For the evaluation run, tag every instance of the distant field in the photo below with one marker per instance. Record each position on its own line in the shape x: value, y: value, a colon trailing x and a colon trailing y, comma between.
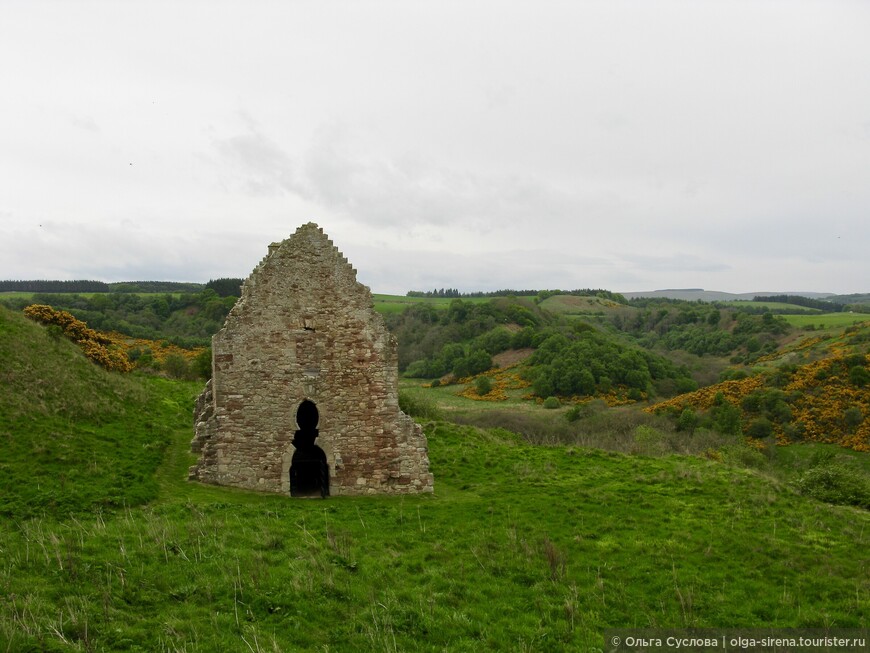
x: 575, y: 305
x: 383, y: 303
x: 398, y: 303
x: 781, y: 306
x: 826, y: 320
x: 29, y: 295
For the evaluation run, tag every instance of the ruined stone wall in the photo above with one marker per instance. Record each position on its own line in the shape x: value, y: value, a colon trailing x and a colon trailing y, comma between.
x: 304, y: 328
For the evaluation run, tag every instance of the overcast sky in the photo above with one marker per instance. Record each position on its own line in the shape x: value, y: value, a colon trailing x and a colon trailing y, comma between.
x: 475, y: 145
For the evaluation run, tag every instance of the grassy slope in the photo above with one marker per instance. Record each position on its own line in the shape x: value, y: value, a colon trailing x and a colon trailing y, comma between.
x: 817, y: 388
x: 826, y: 320
x: 73, y: 437
x: 397, y: 303
x: 794, y: 308
x: 574, y: 305
x: 521, y: 548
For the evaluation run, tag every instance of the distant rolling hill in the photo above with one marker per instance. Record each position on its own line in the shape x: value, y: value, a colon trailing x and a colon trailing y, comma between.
x: 693, y: 294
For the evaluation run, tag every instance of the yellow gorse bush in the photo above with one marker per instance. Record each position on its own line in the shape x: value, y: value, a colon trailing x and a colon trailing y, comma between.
x: 703, y: 399
x: 503, y: 379
x: 508, y: 378
x: 99, y: 347
x: 819, y: 395
x: 806, y: 343
x: 160, y: 349
x: 824, y: 395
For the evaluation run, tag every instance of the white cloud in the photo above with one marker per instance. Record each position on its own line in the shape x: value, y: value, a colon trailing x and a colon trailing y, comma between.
x: 475, y: 145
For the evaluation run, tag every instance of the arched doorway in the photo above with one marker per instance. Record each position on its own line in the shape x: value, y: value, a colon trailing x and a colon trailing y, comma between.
x: 309, y: 471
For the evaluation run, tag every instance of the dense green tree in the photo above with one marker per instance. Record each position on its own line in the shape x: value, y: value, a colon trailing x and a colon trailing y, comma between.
x: 201, y: 365
x: 226, y: 287
x: 177, y: 367
x: 576, y: 365
x: 552, y: 402
x: 687, y: 421
x: 726, y: 418
x: 483, y: 385
x: 187, y: 319
x: 853, y: 417
x: 497, y: 340
x: 760, y: 428
x: 859, y: 376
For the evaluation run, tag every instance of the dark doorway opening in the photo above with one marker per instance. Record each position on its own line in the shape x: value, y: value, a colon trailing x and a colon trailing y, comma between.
x: 309, y: 471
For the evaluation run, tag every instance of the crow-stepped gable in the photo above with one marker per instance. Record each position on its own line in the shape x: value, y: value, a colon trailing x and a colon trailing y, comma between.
x: 303, y: 398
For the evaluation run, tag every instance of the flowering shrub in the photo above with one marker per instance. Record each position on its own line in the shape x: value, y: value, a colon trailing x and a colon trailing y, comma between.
x: 755, y: 443
x: 802, y: 345
x: 825, y: 395
x: 99, y: 347
x: 501, y: 380
x: 621, y: 396
x: 158, y: 350
x: 73, y: 328
x: 704, y: 398
x: 823, y: 401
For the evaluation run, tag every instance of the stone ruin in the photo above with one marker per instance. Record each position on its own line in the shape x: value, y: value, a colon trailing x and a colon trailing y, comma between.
x: 303, y: 398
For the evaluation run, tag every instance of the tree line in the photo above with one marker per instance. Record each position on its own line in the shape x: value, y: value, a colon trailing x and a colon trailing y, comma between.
x: 54, y: 286
x: 226, y: 286
x: 90, y: 286
x: 185, y: 319
x: 427, y: 335
x: 539, y: 295
x: 798, y: 300
x: 571, y: 358
x: 702, y: 329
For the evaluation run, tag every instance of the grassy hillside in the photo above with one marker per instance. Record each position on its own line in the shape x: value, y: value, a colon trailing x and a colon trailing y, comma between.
x: 773, y: 306
x: 574, y: 305
x: 522, y: 547
x: 73, y: 437
x: 699, y: 294
x: 185, y: 318
x: 825, y: 320
x: 815, y: 389
x: 390, y: 304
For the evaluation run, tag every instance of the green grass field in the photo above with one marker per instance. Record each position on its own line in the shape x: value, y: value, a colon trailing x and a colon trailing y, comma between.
x: 827, y: 320
x: 574, y: 305
x: 383, y: 303
x: 521, y: 548
x: 397, y: 303
x: 794, y: 308
x: 16, y: 295
x: 29, y: 295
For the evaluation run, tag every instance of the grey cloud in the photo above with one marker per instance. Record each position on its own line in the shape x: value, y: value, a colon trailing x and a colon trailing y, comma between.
x: 517, y: 269
x: 809, y: 233
x: 264, y: 167
x: 399, y: 192
x: 719, y: 135
x: 681, y: 263
x: 87, y: 123
x: 124, y: 251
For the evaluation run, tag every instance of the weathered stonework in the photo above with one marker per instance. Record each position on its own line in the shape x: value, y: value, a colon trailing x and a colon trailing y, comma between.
x: 305, y: 330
